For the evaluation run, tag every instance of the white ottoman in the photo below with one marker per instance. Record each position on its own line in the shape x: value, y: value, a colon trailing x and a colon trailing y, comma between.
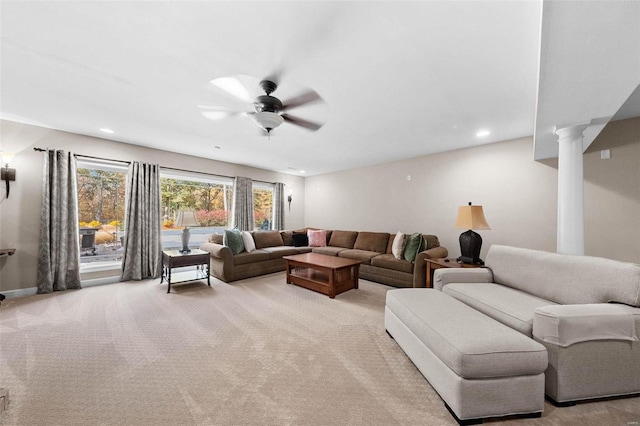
x: 480, y: 367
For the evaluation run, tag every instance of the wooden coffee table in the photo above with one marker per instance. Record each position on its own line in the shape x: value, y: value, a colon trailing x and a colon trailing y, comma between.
x: 328, y: 275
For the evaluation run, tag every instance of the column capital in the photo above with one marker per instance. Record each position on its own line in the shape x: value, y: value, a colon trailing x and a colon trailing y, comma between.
x: 575, y: 130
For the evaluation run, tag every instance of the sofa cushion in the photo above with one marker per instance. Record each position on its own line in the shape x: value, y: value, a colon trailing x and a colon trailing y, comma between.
x: 300, y: 240
x: 344, y: 239
x: 287, y: 238
x: 388, y: 261
x: 507, y: 305
x: 233, y: 240
x: 431, y: 242
x: 372, y: 241
x: 413, y: 247
x: 215, y: 238
x: 317, y: 238
x: 363, y: 256
x: 329, y: 251
x: 267, y: 239
x: 278, y: 252
x: 565, y: 325
x: 565, y: 279
x: 255, y: 256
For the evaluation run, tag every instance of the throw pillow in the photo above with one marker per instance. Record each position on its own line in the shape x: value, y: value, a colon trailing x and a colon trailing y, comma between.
x: 317, y: 238
x: 247, y: 239
x: 414, y: 246
x: 233, y: 240
x: 300, y: 240
x: 398, y: 245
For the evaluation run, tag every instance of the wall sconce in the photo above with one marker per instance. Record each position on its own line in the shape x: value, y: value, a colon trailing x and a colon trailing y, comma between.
x: 289, y: 198
x: 7, y: 174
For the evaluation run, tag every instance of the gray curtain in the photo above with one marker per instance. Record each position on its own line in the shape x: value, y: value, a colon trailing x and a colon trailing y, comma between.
x: 243, y: 204
x: 59, y: 254
x: 142, y: 244
x: 278, y: 206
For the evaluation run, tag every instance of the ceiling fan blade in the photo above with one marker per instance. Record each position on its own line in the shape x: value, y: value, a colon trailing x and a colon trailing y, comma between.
x: 213, y: 112
x: 302, y: 123
x: 308, y: 97
x: 234, y: 87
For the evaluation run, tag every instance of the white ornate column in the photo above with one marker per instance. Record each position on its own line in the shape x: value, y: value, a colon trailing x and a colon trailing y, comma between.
x: 570, y: 190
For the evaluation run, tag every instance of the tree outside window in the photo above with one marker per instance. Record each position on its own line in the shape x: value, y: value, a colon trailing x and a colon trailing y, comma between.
x: 101, y: 201
x: 262, y: 206
x: 210, y: 198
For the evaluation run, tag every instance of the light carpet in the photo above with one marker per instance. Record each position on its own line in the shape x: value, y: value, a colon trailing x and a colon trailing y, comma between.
x: 254, y: 352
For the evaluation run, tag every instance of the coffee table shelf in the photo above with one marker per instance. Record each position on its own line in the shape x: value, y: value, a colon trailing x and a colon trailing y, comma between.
x: 328, y: 275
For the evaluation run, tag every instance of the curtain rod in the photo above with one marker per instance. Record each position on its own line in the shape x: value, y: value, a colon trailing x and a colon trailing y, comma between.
x: 162, y: 167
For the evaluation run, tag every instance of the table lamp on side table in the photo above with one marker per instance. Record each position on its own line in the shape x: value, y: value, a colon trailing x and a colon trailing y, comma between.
x: 186, y: 219
x: 471, y: 217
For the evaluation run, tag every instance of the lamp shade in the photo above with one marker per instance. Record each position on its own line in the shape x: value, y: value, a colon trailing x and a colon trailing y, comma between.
x: 6, y: 157
x: 186, y: 218
x: 471, y: 217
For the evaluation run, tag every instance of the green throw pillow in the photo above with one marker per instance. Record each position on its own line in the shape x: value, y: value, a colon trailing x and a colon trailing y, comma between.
x: 414, y: 246
x: 233, y: 240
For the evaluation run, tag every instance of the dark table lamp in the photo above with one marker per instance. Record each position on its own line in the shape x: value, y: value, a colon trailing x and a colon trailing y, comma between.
x: 471, y: 217
x: 186, y: 219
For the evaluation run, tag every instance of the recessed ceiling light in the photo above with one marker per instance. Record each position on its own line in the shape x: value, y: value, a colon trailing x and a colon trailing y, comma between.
x: 483, y: 133
x: 105, y: 130
x: 216, y: 147
x: 302, y: 171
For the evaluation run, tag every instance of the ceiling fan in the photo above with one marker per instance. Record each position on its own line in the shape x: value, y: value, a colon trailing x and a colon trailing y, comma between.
x: 267, y: 111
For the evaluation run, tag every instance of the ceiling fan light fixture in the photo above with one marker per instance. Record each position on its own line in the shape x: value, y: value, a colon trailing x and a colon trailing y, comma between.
x: 267, y: 120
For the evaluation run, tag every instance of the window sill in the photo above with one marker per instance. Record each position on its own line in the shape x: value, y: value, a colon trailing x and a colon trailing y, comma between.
x: 88, y: 268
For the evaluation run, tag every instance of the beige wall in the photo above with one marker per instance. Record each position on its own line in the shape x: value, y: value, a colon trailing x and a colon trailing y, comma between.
x: 519, y: 195
x: 612, y: 193
x: 20, y: 213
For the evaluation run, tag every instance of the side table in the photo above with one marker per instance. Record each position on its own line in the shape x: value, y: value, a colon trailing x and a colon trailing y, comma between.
x: 433, y: 264
x: 174, y: 259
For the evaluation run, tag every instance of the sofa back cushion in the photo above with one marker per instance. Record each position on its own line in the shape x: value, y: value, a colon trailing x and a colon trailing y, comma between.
x: 344, y: 239
x: 216, y: 238
x: 267, y: 239
x: 372, y: 241
x: 565, y: 279
x: 431, y: 240
x: 287, y: 238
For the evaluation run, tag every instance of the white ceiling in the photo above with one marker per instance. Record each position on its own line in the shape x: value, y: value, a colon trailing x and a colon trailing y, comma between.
x: 400, y: 78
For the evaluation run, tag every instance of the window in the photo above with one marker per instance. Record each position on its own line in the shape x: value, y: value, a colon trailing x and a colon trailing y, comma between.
x: 262, y: 206
x: 209, y: 197
x: 101, y: 200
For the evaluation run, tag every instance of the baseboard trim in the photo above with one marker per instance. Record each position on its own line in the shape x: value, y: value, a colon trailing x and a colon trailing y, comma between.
x: 22, y: 292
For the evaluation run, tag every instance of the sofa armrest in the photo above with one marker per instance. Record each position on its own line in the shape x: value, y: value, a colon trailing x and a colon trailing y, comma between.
x: 217, y: 250
x: 565, y: 325
x: 444, y: 276
x: 221, y: 264
x: 419, y: 266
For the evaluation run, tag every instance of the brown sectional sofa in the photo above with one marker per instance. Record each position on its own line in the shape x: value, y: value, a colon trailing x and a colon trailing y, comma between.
x: 372, y: 248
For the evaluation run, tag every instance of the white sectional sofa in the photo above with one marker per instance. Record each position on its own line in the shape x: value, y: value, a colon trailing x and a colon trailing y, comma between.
x: 585, y: 311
